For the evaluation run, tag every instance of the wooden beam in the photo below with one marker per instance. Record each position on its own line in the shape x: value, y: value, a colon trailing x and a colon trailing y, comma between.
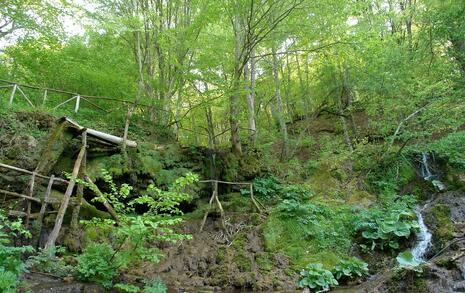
x: 61, y: 104
x: 19, y: 195
x: 44, y: 100
x: 24, y: 95
x: 102, y: 135
x: 78, y: 101
x: 30, y: 172
x: 43, y: 209
x: 31, y: 194
x: 13, y: 92
x: 69, y: 190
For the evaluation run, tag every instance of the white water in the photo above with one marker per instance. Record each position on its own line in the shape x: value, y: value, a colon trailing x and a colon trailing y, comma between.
x: 425, y: 170
x: 423, y: 238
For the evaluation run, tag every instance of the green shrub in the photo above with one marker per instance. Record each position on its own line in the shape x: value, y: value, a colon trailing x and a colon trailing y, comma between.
x: 134, y: 238
x: 155, y: 286
x: 8, y: 281
x: 350, y: 269
x: 314, y: 276
x: 97, y: 264
x: 266, y: 187
x: 295, y: 192
x: 47, y: 261
x: 11, y: 263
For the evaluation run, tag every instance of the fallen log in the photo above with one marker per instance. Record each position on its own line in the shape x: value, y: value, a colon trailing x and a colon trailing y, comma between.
x: 101, y: 135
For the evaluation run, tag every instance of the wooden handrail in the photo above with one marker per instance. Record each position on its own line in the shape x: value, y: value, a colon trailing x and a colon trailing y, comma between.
x: 30, y: 172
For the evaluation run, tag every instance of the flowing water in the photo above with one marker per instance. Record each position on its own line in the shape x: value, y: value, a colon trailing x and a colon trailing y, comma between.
x: 423, y: 238
x: 424, y: 235
x: 425, y: 169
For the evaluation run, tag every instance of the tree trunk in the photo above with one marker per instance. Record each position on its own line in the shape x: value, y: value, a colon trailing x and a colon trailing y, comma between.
x: 250, y: 95
x: 234, y: 97
x: 279, y: 103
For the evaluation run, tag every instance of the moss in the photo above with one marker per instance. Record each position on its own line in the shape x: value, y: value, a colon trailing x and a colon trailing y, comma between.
x: 243, y: 263
x: 221, y: 254
x: 231, y: 168
x: 409, y: 281
x: 264, y: 263
x: 444, y: 227
x: 240, y: 241
x: 361, y: 198
x: 235, y: 202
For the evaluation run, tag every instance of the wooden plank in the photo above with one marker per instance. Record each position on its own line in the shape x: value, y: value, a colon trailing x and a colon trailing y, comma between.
x: 30, y: 172
x: 43, y: 209
x: 31, y: 194
x: 69, y: 190
x: 19, y: 195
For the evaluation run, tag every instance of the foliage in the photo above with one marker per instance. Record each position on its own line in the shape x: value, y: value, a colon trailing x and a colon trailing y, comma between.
x: 308, y: 232
x: 271, y: 188
x: 11, y: 263
x: 155, y: 285
x: 451, y: 149
x: 127, y: 288
x: 266, y: 187
x: 385, y: 227
x: 314, y: 276
x: 47, y: 261
x: 97, y: 263
x: 350, y: 268
x: 133, y: 239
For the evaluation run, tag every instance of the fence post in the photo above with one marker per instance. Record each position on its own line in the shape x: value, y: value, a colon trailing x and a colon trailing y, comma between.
x: 76, y: 106
x: 45, y: 97
x: 13, y: 92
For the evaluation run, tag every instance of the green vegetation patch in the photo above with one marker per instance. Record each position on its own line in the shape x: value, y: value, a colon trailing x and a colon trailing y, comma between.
x: 310, y: 232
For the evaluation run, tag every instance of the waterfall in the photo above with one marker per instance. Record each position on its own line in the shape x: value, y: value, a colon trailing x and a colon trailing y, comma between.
x: 423, y: 237
x: 425, y: 169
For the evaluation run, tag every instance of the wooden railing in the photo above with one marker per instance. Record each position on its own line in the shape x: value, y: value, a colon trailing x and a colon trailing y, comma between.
x: 17, y: 90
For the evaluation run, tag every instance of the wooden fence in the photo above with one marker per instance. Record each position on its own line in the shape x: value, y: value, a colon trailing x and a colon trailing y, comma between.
x: 17, y: 90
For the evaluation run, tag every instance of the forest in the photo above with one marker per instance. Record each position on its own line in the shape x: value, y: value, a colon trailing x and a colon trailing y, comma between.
x: 232, y: 146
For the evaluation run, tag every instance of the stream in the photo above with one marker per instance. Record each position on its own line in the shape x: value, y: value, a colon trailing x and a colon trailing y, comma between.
x: 424, y: 236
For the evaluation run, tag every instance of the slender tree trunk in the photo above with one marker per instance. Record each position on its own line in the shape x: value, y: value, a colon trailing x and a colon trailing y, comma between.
x: 234, y: 97
x: 279, y: 103
x: 251, y: 99
x: 212, y: 143
x: 140, y: 89
x: 302, y: 88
